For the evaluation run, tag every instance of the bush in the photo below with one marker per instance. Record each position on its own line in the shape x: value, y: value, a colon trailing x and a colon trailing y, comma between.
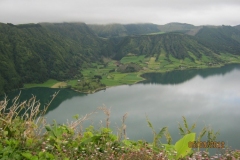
x: 22, y: 136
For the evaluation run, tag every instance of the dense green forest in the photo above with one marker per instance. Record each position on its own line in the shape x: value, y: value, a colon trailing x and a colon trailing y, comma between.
x: 37, y: 52
x: 176, y: 44
x: 34, y: 53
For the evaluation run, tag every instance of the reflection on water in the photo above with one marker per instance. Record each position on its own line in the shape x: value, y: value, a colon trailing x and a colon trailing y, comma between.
x: 44, y: 95
x: 180, y: 76
x: 208, y: 97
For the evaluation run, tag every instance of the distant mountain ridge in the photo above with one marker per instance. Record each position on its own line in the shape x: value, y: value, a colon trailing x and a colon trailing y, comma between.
x: 119, y: 30
x: 37, y: 52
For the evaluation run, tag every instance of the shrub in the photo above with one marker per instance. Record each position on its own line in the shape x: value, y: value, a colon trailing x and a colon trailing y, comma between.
x: 24, y: 134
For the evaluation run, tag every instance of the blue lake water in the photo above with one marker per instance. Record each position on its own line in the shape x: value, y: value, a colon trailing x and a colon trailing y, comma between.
x: 209, y: 97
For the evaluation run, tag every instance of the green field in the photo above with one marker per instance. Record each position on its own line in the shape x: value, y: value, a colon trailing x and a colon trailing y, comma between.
x: 49, y: 83
x: 121, y: 78
x: 157, y: 63
x: 134, y: 59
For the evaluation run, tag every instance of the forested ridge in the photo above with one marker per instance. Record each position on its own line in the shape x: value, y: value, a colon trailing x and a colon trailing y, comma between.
x: 119, y: 30
x: 37, y: 52
x: 176, y: 44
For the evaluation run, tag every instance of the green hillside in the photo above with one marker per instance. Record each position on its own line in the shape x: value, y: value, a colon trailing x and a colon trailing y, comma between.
x: 177, y: 45
x: 224, y: 39
x: 35, y: 53
x: 237, y: 27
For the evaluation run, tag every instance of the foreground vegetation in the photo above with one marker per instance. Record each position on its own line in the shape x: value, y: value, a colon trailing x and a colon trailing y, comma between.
x: 24, y: 134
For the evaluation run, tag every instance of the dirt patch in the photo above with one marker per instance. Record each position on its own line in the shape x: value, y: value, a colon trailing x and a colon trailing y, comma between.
x: 59, y: 85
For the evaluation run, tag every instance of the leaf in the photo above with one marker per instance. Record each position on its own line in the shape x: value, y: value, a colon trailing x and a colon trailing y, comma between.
x: 170, y: 149
x: 127, y: 142
x: 149, y: 124
x: 203, y: 132
x: 27, y: 155
x: 185, y: 124
x: 48, y: 128
x: 161, y: 132
x: 34, y: 158
x: 181, y: 129
x: 193, y: 126
x: 181, y: 145
x: 76, y: 116
x: 29, y: 142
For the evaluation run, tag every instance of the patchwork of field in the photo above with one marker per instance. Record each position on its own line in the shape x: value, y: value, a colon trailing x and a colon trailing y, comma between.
x: 157, y: 63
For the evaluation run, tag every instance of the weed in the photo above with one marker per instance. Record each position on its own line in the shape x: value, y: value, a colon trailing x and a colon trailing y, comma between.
x: 24, y: 134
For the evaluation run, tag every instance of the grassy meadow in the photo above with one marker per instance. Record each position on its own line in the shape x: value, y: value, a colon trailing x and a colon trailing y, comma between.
x: 49, y: 83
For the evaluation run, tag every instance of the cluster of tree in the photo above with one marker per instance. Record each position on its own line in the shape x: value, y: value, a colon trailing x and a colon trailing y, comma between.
x: 89, y: 85
x: 130, y: 67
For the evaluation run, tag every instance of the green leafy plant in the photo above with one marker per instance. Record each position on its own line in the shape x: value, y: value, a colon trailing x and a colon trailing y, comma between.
x: 156, y: 136
x: 21, y: 139
x: 185, y: 130
x: 182, y: 146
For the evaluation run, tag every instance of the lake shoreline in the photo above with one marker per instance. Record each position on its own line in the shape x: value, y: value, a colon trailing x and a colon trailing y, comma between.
x: 139, y: 74
x: 155, y: 71
x: 202, y: 96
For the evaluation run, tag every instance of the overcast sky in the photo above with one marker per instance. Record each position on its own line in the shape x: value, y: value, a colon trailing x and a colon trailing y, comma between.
x: 197, y: 12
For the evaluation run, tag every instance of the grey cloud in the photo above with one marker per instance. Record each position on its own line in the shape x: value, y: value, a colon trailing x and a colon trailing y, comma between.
x: 197, y: 12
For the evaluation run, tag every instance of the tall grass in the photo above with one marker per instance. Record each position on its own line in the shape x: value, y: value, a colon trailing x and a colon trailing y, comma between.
x: 25, y: 134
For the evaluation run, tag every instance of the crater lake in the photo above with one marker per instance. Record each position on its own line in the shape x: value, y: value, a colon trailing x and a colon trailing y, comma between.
x: 207, y: 97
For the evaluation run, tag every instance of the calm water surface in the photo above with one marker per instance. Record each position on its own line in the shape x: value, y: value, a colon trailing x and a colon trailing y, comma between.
x: 209, y: 97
